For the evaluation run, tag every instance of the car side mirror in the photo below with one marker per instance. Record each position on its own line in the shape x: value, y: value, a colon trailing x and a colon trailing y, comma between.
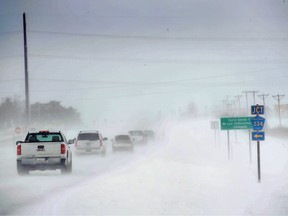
x: 17, y: 142
x: 105, y: 138
x: 71, y: 141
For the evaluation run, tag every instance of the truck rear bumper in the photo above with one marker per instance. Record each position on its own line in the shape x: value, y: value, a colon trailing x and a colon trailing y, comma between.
x: 41, y: 163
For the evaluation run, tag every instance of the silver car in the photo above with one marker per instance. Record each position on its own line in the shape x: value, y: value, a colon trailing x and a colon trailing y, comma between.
x: 90, y: 141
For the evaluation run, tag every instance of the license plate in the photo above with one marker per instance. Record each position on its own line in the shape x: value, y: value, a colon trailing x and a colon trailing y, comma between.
x: 40, y: 160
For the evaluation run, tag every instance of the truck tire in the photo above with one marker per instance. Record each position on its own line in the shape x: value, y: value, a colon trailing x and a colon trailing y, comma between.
x: 22, y: 170
x: 66, y: 169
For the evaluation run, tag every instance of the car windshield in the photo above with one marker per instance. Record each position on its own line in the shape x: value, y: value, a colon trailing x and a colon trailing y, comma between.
x: 88, y: 136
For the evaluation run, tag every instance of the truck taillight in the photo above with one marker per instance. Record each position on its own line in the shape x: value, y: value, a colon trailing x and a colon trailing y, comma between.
x: 19, y: 150
x: 63, y: 148
x: 76, y: 143
x: 101, y: 144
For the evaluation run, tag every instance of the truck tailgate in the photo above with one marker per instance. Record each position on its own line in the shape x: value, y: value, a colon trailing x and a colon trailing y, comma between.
x: 41, y: 149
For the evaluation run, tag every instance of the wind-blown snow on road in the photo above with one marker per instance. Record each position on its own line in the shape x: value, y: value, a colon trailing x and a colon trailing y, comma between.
x: 188, y: 172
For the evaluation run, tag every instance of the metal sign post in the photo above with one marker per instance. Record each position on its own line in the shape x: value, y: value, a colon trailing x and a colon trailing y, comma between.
x: 250, y: 147
x: 258, y: 161
x: 258, y: 135
x: 215, y: 126
x: 228, y: 139
x: 235, y: 123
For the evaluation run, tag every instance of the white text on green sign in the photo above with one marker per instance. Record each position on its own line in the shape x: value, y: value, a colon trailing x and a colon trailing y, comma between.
x: 236, y: 123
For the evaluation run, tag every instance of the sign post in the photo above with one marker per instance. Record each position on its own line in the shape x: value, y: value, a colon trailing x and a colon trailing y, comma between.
x: 235, y: 123
x: 215, y: 127
x: 258, y: 135
x: 228, y: 139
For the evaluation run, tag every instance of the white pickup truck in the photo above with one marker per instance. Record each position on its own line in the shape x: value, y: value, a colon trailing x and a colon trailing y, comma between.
x: 44, y: 150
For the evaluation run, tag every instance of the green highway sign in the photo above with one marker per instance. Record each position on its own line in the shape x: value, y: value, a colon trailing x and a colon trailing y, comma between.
x: 236, y: 123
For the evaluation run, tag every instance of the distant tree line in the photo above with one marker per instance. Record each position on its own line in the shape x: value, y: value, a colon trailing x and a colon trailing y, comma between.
x: 12, y: 112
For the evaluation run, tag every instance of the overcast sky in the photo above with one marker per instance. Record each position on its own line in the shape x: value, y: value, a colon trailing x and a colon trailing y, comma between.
x: 115, y: 58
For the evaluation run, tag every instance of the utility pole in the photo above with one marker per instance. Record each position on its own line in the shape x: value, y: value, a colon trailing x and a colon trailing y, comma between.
x: 233, y: 107
x: 278, y: 98
x: 249, y: 131
x: 253, y: 92
x: 234, y: 114
x: 27, y: 103
x: 224, y: 104
x: 246, y: 93
x: 228, y: 105
x: 238, y: 99
x: 263, y: 96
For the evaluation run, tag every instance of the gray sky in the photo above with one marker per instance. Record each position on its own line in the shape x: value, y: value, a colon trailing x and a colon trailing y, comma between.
x: 117, y: 58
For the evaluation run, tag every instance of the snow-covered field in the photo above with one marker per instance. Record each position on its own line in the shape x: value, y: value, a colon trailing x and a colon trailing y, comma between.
x: 186, y: 172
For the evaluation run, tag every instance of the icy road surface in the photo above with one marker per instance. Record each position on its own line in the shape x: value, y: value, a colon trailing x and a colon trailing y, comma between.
x: 187, y: 172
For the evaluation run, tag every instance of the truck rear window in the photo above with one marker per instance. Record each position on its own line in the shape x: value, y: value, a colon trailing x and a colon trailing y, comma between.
x: 37, y: 137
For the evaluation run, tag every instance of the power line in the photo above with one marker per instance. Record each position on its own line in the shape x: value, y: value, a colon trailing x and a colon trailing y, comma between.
x: 168, y: 60
x: 118, y: 84
x: 182, y: 81
x: 150, y: 37
x: 8, y: 33
x: 10, y: 80
x: 148, y: 16
x: 10, y: 56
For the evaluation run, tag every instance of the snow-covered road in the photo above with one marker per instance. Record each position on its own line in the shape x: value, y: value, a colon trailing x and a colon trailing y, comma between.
x: 185, y: 173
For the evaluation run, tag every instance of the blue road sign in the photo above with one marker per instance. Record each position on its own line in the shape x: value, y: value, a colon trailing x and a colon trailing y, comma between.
x: 257, y: 110
x: 258, y: 123
x: 258, y: 136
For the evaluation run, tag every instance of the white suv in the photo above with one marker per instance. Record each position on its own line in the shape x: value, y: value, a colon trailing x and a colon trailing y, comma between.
x: 90, y: 141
